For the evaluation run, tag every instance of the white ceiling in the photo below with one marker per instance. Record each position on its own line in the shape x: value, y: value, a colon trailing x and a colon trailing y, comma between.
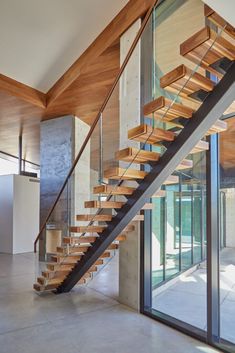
x: 40, y: 39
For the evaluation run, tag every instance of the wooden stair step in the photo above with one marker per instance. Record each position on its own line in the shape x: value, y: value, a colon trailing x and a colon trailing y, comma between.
x: 218, y: 127
x: 113, y: 247
x: 186, y: 82
x: 172, y: 179
x: 68, y: 259
x: 150, y: 135
x: 113, y: 190
x: 53, y: 266
x: 103, y: 204
x: 42, y: 288
x: 105, y: 255
x: 55, y: 274
x: 136, y: 155
x: 219, y: 21
x: 44, y: 281
x: 73, y: 249
x: 117, y: 172
x: 185, y: 164
x: 85, y: 240
x: 148, y: 206
x: 51, y: 285
x: 138, y: 218
x: 124, y: 174
x: 99, y: 262
x: 201, y: 146
x: 196, y: 49
x: 79, y: 240
x: 129, y: 228
x: 164, y: 106
x: 87, y: 229
x: 94, y: 217
x: 121, y: 238
x: 159, y: 193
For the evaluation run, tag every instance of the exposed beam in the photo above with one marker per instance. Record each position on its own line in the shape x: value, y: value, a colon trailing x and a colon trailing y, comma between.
x: 126, y: 17
x: 24, y: 92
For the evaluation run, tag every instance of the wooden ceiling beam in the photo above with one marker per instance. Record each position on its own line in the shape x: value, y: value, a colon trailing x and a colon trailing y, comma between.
x: 126, y: 17
x: 24, y: 92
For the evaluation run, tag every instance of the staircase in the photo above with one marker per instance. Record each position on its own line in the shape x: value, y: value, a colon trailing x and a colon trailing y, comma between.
x: 177, y: 130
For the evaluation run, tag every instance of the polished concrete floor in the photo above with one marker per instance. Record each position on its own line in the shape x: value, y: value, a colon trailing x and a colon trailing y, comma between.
x: 87, y: 320
x: 185, y: 298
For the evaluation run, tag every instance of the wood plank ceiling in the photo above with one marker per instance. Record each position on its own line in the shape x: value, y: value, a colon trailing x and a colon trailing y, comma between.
x: 80, y: 91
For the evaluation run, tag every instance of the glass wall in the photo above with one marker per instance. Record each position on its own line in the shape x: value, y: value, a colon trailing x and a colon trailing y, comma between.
x: 227, y: 232
x: 178, y: 219
x: 179, y: 247
x: 189, y: 253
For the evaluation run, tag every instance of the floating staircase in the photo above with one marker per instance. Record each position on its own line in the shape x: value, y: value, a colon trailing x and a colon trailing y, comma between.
x: 79, y: 257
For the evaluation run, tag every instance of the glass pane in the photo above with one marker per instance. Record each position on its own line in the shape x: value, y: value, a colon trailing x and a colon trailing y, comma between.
x: 227, y: 236
x: 186, y: 226
x: 172, y: 226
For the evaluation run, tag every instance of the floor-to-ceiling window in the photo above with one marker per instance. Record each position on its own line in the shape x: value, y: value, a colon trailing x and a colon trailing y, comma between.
x: 182, y: 266
x: 227, y: 232
x: 178, y: 261
x: 179, y: 247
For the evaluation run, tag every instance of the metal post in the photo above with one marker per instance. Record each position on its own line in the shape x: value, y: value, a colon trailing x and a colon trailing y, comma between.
x: 101, y: 149
x: 20, y: 154
x: 213, y: 300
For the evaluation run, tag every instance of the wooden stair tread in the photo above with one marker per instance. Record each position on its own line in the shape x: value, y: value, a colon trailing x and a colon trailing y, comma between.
x: 80, y: 240
x: 73, y: 249
x: 185, y: 164
x: 52, y: 285
x: 219, y: 21
x: 159, y: 193
x: 136, y: 155
x: 87, y: 229
x: 85, y: 239
x: 66, y: 259
x: 218, y: 127
x: 172, y: 179
x: 52, y: 281
x: 53, y: 274
x: 103, y: 204
x: 124, y: 174
x: 138, y: 218
x: 148, y: 206
x: 113, y: 190
x: 185, y: 81
x: 53, y: 266
x: 196, y: 49
x: 147, y: 134
x: 201, y: 146
x: 94, y: 217
x: 164, y: 106
x: 132, y: 176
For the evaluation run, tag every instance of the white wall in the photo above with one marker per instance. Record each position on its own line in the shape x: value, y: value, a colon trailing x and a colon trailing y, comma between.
x: 25, y: 213
x: 19, y: 210
x: 225, y: 8
x: 6, y: 213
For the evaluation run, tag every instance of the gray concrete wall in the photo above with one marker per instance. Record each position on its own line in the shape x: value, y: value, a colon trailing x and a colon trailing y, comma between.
x: 61, y: 140
x: 82, y: 175
x: 56, y: 158
x: 129, y: 255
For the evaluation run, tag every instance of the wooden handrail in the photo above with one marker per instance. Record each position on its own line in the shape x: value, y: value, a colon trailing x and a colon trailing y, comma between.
x: 121, y: 70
